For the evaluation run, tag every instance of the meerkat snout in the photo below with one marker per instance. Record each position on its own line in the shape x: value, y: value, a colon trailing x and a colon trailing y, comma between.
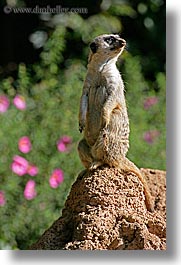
x: 110, y: 42
x: 117, y: 43
x: 122, y: 42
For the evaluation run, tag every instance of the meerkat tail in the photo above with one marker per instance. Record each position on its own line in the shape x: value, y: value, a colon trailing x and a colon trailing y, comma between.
x: 131, y: 167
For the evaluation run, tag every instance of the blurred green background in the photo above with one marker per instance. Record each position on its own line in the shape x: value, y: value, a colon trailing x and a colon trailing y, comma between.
x: 43, y: 59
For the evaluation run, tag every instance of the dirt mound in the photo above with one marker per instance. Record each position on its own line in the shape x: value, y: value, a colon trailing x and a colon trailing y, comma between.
x: 106, y: 210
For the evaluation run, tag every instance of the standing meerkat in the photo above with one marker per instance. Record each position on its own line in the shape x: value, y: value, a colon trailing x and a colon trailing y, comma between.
x: 103, y: 113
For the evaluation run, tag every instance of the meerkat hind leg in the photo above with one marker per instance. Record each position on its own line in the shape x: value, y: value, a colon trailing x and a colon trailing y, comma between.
x: 85, y: 153
x: 98, y: 154
x: 96, y: 164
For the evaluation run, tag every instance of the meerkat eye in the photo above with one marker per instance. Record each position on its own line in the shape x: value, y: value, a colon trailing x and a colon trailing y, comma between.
x: 93, y: 47
x: 109, y: 40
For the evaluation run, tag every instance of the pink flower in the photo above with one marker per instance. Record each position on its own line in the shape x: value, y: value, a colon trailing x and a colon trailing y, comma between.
x: 19, y: 102
x: 24, y: 144
x: 32, y: 170
x: 4, y: 103
x: 56, y: 178
x: 150, y: 136
x: 149, y: 102
x: 63, y: 144
x: 19, y: 165
x: 29, y: 191
x: 2, y: 198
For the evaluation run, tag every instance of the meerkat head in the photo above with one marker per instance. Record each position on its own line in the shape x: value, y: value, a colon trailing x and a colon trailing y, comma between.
x: 106, y: 47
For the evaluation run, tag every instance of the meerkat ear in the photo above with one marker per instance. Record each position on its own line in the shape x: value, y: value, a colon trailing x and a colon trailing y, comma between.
x: 93, y: 47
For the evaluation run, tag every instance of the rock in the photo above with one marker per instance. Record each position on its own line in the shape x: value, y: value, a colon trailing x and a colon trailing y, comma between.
x: 106, y: 210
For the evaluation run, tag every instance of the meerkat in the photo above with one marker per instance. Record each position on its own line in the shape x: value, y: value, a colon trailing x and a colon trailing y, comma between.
x: 103, y: 113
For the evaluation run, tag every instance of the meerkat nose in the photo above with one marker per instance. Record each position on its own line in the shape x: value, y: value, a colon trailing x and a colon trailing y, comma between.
x: 122, y: 42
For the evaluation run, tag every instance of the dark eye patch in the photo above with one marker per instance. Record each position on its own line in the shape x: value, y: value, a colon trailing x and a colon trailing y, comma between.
x: 109, y: 40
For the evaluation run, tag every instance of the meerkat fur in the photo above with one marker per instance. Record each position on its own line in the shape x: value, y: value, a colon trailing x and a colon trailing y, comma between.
x: 103, y: 113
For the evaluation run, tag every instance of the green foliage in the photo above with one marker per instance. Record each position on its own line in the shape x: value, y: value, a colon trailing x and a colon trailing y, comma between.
x: 122, y: 10
x: 52, y: 90
x: 150, y: 152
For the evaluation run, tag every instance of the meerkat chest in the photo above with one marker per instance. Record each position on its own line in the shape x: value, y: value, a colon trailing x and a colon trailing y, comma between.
x: 98, y: 93
x: 100, y: 90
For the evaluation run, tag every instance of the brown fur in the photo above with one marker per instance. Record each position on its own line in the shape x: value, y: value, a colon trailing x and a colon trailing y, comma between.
x: 103, y: 113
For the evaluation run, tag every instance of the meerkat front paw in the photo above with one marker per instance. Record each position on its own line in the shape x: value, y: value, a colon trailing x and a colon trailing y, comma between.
x: 81, y: 127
